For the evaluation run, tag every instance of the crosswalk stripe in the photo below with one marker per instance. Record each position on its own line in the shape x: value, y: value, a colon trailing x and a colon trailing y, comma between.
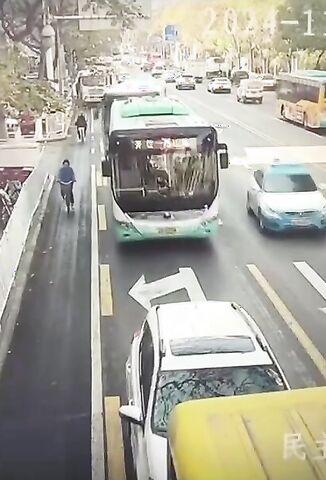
x: 267, y: 155
x: 289, y: 319
x: 313, y: 278
x: 114, y: 437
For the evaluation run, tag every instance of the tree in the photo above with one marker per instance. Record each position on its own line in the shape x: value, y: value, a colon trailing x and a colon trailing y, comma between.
x: 18, y: 93
x: 22, y: 22
x: 309, y: 33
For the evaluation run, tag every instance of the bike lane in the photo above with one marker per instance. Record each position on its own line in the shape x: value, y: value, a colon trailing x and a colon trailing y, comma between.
x: 45, y: 381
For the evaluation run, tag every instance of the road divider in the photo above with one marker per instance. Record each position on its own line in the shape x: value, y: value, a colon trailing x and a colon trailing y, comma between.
x: 101, y: 218
x: 12, y: 242
x: 114, y: 439
x: 106, y: 291
x: 289, y: 319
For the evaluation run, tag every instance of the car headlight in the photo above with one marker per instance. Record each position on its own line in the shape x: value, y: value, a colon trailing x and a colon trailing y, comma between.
x: 268, y: 211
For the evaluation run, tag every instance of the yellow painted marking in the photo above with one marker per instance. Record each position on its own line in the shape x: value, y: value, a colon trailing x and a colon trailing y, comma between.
x: 101, y: 217
x: 289, y: 319
x: 114, y: 439
x: 106, y: 291
x: 105, y: 181
x: 98, y: 178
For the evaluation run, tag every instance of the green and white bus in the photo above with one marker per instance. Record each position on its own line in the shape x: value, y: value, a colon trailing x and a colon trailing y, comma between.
x: 164, y: 163
x: 139, y: 86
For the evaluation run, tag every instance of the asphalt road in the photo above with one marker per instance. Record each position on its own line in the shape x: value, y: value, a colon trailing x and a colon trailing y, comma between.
x: 45, y: 386
x: 228, y: 265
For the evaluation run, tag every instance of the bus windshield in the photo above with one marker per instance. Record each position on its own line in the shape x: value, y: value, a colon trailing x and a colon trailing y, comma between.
x: 165, y: 173
x: 93, y: 81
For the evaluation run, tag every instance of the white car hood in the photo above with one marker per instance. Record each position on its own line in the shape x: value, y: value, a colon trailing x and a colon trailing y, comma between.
x: 294, y: 202
x: 157, y: 457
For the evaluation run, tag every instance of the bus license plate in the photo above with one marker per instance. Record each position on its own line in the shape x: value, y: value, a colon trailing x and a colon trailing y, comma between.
x: 167, y: 231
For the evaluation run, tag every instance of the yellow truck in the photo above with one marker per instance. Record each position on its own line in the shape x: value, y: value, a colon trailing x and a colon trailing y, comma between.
x: 266, y: 436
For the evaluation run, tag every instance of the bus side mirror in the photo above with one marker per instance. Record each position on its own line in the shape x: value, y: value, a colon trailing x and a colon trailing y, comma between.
x: 223, y: 155
x: 106, y: 168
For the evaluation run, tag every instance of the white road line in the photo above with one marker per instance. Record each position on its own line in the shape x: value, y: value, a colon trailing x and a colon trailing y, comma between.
x: 313, y: 278
x: 220, y: 221
x: 240, y: 124
x: 102, y: 147
x: 97, y: 430
x: 92, y: 122
x: 289, y: 319
x: 99, y: 178
x: 92, y: 150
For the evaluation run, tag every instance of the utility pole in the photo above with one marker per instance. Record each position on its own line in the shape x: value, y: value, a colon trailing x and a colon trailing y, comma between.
x: 48, y: 41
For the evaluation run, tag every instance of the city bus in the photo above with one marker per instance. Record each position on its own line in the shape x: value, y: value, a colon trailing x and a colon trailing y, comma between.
x: 143, y: 85
x: 164, y: 163
x: 302, y: 98
x: 91, y: 86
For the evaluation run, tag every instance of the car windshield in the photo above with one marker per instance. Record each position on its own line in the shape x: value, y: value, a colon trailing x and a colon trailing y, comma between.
x: 174, y: 387
x: 160, y: 173
x: 267, y: 77
x: 187, y: 76
x: 286, y: 183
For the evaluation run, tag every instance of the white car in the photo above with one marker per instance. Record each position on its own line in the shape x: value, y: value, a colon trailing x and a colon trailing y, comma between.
x: 222, y: 84
x: 189, y: 351
x: 250, y: 91
x: 185, y: 82
x: 269, y: 82
x: 284, y: 197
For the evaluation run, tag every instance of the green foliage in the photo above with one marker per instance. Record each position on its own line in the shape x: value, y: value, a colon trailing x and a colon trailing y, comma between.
x: 23, y: 94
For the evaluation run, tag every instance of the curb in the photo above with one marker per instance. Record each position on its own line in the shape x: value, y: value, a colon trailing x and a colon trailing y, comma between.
x: 15, y: 297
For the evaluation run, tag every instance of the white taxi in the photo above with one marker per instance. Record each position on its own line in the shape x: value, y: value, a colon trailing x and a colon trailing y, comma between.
x: 221, y: 84
x: 285, y: 197
x: 187, y: 351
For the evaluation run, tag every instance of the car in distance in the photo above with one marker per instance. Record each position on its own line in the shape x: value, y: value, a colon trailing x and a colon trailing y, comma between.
x: 250, y: 91
x: 185, y: 82
x: 187, y: 351
x: 285, y: 197
x: 222, y: 85
x: 269, y: 81
x: 238, y: 75
x: 169, y: 76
